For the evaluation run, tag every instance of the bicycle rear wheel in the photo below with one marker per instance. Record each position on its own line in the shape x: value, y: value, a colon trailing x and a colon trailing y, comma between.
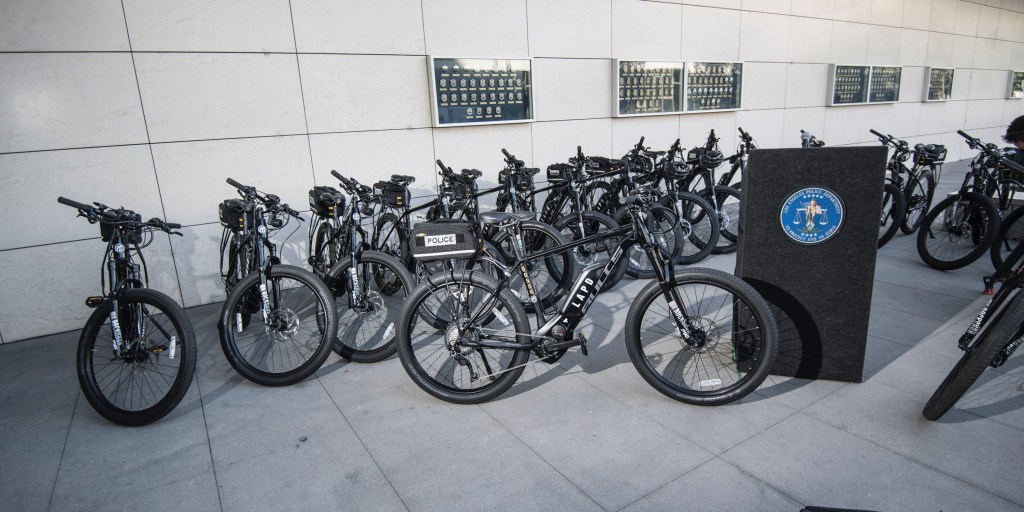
x: 733, y: 338
x: 151, y: 372
x: 436, y: 338
x: 366, y: 323
x: 918, y: 198
x: 893, y: 210
x: 947, y: 241
x: 291, y: 330
x: 595, y: 252
x: 1004, y: 327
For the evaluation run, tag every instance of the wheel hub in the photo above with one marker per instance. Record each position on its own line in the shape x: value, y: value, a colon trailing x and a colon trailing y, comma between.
x: 282, y: 324
x: 453, y: 337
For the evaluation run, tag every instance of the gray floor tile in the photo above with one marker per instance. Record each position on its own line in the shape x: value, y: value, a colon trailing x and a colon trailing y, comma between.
x: 933, y: 306
x: 440, y: 456
x: 609, y: 450
x: 837, y: 469
x: 37, y: 400
x: 856, y: 409
x: 162, y: 466
x: 289, y: 448
x: 880, y: 353
x: 715, y: 485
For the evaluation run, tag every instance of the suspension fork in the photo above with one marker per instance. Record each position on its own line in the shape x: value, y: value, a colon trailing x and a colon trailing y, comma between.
x: 666, y: 279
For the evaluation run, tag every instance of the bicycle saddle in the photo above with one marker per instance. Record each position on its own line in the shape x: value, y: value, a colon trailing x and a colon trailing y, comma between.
x: 402, y: 179
x: 504, y: 217
x: 471, y: 173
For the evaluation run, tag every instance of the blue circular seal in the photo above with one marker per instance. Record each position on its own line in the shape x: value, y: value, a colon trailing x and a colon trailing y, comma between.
x: 812, y: 215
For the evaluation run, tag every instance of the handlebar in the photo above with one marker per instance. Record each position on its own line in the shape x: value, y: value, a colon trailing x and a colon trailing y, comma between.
x: 73, y: 204
x: 507, y: 155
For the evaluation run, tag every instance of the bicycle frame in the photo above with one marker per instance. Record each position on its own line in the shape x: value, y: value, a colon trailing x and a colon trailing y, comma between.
x: 586, y: 288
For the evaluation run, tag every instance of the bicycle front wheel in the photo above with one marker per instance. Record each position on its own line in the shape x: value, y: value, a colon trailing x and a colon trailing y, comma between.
x: 280, y: 334
x: 368, y: 301
x: 950, y: 240
x: 727, y: 200
x: 146, y: 376
x: 441, y: 345
x: 1004, y: 327
x: 1011, y: 233
x: 732, y: 344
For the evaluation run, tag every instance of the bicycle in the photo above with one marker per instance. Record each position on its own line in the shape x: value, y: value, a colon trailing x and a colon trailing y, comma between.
x: 326, y: 234
x: 962, y: 227
x: 990, y: 340
x: 464, y: 338
x: 919, y: 187
x: 457, y: 199
x: 137, y: 352
x: 295, y: 318
x: 368, y: 286
x: 893, y: 205
x: 738, y: 161
x: 723, y: 199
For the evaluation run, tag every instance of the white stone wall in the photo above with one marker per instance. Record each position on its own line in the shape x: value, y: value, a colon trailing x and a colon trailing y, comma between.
x: 152, y: 104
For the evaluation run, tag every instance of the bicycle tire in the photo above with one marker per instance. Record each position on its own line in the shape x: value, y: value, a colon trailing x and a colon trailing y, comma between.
x: 713, y: 300
x: 917, y: 196
x: 366, y: 333
x: 699, y: 221
x: 728, y: 200
x: 667, y: 232
x: 1000, y: 331
x: 426, y: 347
x: 112, y: 383
x: 1011, y: 233
x: 595, y: 252
x: 275, y: 356
x: 592, y: 194
x: 893, y: 210
x: 551, y: 277
x: 958, y: 248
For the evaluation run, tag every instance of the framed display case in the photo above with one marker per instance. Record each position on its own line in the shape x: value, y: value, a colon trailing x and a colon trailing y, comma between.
x: 938, y: 85
x: 885, y: 84
x: 470, y: 91
x: 848, y: 85
x: 713, y: 86
x: 1016, y: 87
x: 859, y: 85
x: 646, y: 88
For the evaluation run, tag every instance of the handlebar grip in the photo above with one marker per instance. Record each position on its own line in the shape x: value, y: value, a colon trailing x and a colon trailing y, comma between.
x: 236, y: 184
x: 877, y: 134
x: 75, y: 204
x: 742, y: 133
x: 338, y: 175
x: 641, y: 143
x: 504, y: 151
x: 172, y: 225
x: 964, y: 135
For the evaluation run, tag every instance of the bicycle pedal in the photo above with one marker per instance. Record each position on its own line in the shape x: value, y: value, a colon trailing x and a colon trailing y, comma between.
x: 93, y: 301
x: 583, y: 343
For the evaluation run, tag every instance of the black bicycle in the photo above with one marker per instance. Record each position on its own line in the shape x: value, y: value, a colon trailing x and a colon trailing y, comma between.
x: 369, y: 286
x: 919, y: 186
x: 991, y: 339
x: 278, y: 323
x: 893, y: 205
x: 961, y: 228
x: 723, y: 199
x: 327, y: 241
x: 137, y: 352
x: 700, y: 336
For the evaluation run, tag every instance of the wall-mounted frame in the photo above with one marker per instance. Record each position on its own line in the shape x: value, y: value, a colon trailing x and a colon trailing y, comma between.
x: 1016, y: 88
x: 471, y: 91
x: 938, y: 84
x: 885, y: 84
x: 860, y: 85
x: 848, y: 85
x: 714, y: 86
x: 647, y: 88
